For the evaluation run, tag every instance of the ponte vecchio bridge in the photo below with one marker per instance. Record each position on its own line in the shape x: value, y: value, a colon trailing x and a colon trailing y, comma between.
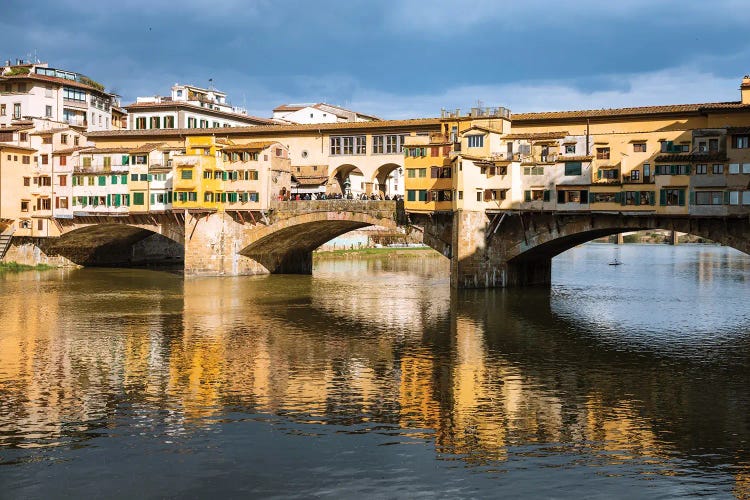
x: 486, y: 249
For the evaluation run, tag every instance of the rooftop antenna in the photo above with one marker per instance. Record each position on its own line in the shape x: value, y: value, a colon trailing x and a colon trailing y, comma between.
x: 210, y: 84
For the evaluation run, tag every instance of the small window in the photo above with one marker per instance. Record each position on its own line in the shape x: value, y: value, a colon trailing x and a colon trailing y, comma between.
x: 639, y: 147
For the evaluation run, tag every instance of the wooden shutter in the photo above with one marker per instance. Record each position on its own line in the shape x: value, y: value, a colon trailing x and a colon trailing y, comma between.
x: 561, y: 196
x: 546, y: 195
x: 663, y: 197
x: 681, y: 197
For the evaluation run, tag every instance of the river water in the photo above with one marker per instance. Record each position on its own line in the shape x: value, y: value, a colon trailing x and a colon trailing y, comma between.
x: 372, y: 378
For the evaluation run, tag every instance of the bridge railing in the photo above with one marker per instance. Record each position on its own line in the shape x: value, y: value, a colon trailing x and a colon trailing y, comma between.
x: 334, y: 205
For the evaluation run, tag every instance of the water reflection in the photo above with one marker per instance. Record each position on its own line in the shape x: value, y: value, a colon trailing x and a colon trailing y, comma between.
x: 590, y: 374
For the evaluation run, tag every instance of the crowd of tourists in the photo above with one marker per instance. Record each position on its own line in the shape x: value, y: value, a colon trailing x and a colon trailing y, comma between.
x: 338, y: 196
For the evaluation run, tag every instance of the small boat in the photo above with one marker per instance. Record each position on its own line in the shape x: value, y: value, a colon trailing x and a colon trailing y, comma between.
x: 615, y: 263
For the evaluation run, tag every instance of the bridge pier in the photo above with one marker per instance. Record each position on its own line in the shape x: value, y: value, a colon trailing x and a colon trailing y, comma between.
x: 480, y: 257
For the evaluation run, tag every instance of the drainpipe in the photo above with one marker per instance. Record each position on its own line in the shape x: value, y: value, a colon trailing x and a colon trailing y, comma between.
x: 588, y: 148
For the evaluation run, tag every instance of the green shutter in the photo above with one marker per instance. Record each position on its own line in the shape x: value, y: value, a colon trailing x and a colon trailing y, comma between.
x: 150, y: 177
x: 113, y: 179
x: 527, y: 195
x: 598, y: 174
x: 546, y: 195
x: 663, y: 197
x: 124, y: 179
x: 153, y: 198
x: 652, y: 198
x: 623, y: 198
x: 125, y: 160
x: 637, y: 197
x: 102, y: 180
x: 584, y: 196
x: 726, y: 197
x: 681, y: 197
x: 691, y: 197
x: 560, y: 196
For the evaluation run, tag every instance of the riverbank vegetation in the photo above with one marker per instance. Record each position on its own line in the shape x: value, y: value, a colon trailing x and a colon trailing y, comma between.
x: 14, y: 267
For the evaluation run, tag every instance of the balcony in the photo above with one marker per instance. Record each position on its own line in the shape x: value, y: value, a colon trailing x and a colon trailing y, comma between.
x: 72, y: 103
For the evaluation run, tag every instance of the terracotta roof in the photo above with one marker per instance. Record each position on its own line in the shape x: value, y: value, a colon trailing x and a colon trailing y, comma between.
x: 250, y: 146
x: 148, y: 147
x: 310, y: 180
x: 54, y: 79
x: 5, y: 145
x: 537, y: 136
x: 692, y: 157
x: 345, y: 127
x: 291, y: 107
x: 68, y: 151
x: 49, y: 131
x: 131, y: 108
x: 95, y: 150
x: 634, y: 111
x: 484, y: 129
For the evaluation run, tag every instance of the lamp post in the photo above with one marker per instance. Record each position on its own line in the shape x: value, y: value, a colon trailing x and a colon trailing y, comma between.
x: 347, y: 187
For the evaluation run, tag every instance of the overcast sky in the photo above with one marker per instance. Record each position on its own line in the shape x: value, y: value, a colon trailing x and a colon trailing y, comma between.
x: 396, y: 59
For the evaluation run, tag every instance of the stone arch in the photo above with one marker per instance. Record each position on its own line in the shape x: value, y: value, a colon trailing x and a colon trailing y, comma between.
x: 109, y: 244
x: 286, y: 246
x: 549, y: 241
x: 339, y: 175
x: 381, y: 176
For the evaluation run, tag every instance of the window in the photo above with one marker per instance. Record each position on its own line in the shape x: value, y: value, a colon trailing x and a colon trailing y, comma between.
x: 155, y: 122
x: 143, y: 177
x: 204, y: 124
x: 192, y: 122
x: 186, y: 174
x: 24, y: 206
x: 602, y: 153
x: 495, y: 194
x: 635, y: 175
x: 422, y: 172
x: 572, y: 196
x: 137, y: 198
x: 411, y: 195
x: 102, y: 180
x: 62, y: 180
x: 74, y: 94
x: 713, y: 144
x: 476, y: 141
x: 718, y: 168
x: 672, y: 170
x: 27, y: 159
x: 639, y: 147
x: 604, y: 197
x: 169, y: 122
x: 572, y: 168
x: 2, y: 110
x: 608, y: 174
x: 671, y: 147
x: 17, y: 110
x: 411, y: 173
x: 536, y: 195
x: 140, y: 123
x: 45, y: 159
x: 672, y: 197
x: 741, y: 141
x: 709, y: 197
x: 27, y: 181
x: 48, y: 111
x: 538, y: 170
x: 701, y: 169
x: 133, y: 177
x: 569, y: 149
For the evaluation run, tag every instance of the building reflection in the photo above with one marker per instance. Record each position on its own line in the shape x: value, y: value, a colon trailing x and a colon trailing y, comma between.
x: 484, y: 373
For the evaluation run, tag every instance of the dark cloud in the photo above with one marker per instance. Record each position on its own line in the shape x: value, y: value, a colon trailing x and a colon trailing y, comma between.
x: 265, y: 52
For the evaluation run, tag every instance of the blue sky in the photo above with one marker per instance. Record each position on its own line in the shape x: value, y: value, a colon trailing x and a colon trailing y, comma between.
x: 396, y: 59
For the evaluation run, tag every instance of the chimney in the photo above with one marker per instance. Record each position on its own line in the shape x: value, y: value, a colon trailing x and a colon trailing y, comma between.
x: 745, y: 89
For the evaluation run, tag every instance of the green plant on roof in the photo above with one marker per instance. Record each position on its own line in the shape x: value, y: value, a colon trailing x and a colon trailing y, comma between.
x: 17, y: 71
x: 92, y: 83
